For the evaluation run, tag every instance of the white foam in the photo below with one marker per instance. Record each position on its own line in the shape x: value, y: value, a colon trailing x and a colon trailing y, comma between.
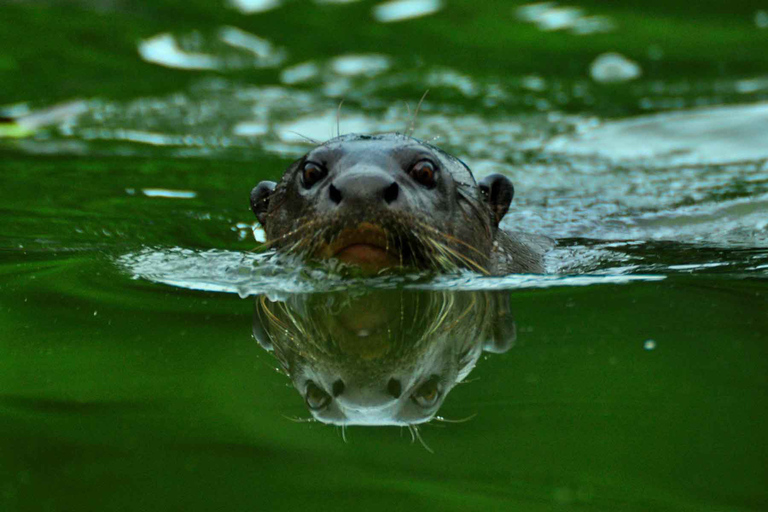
x: 168, y: 193
x: 254, y: 6
x: 399, y: 10
x: 164, y: 50
x: 256, y: 45
x: 357, y: 65
x: 713, y: 135
x: 247, y: 274
x: 549, y: 17
x: 299, y: 73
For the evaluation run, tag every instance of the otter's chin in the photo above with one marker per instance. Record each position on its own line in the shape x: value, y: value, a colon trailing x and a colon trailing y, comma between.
x: 365, y: 246
x: 367, y: 257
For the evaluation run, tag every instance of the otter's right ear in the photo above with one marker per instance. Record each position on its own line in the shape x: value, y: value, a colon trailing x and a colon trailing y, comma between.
x: 498, y: 191
x: 260, y: 200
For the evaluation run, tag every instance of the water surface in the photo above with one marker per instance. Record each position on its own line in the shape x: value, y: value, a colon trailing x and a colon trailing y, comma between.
x: 134, y: 371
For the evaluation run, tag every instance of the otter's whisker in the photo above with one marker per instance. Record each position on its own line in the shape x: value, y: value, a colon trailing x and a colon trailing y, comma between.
x: 305, y: 226
x: 481, y: 215
x: 450, y: 255
x: 416, y: 113
x: 338, y: 119
x: 308, y: 139
x: 449, y: 237
x: 469, y: 261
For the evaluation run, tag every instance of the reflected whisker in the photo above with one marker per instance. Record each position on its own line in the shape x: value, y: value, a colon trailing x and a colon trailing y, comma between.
x: 421, y: 440
x: 299, y: 420
x: 463, y: 420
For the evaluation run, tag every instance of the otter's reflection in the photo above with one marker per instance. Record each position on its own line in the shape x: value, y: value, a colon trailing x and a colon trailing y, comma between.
x: 386, y: 357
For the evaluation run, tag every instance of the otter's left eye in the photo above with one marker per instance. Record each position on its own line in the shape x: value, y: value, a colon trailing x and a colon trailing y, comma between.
x: 312, y: 173
x: 424, y: 172
x: 428, y: 393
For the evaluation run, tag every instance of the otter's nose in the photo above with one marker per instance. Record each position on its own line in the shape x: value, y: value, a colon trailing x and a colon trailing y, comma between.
x: 365, y: 186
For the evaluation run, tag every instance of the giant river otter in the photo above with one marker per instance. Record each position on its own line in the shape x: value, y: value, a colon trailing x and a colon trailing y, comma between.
x: 390, y: 200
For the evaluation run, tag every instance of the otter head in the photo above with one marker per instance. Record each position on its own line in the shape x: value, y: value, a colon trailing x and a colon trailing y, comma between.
x: 383, y: 201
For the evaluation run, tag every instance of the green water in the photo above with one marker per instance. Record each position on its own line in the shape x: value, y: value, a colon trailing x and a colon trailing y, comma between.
x: 129, y: 375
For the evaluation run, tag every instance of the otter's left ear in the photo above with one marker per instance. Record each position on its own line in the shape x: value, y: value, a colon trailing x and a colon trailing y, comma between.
x: 260, y: 200
x: 498, y: 191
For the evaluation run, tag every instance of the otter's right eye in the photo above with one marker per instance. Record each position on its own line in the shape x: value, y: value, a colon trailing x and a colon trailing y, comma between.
x: 312, y: 173
x: 315, y: 397
x: 424, y: 172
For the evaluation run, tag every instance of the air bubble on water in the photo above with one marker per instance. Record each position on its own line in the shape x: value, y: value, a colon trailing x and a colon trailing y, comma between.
x: 164, y: 50
x: 613, y: 67
x: 299, y: 73
x: 252, y: 43
x: 761, y: 19
x: 399, y: 10
x: 360, y: 65
x: 534, y: 83
x: 649, y: 345
x: 254, y: 6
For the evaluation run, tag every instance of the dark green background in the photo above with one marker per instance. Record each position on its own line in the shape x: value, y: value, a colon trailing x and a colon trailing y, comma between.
x: 120, y: 394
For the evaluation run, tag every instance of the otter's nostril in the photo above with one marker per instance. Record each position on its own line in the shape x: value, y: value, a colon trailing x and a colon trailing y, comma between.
x: 338, y: 388
x: 394, y: 388
x: 391, y: 192
x: 335, y: 194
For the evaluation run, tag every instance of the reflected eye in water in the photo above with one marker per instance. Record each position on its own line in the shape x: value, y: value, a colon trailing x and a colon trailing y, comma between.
x: 428, y: 393
x: 315, y: 397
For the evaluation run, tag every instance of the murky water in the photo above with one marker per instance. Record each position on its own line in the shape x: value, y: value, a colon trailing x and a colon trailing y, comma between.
x: 150, y: 358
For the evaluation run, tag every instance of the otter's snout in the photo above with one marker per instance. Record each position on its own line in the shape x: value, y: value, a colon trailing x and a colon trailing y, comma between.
x: 368, y: 187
